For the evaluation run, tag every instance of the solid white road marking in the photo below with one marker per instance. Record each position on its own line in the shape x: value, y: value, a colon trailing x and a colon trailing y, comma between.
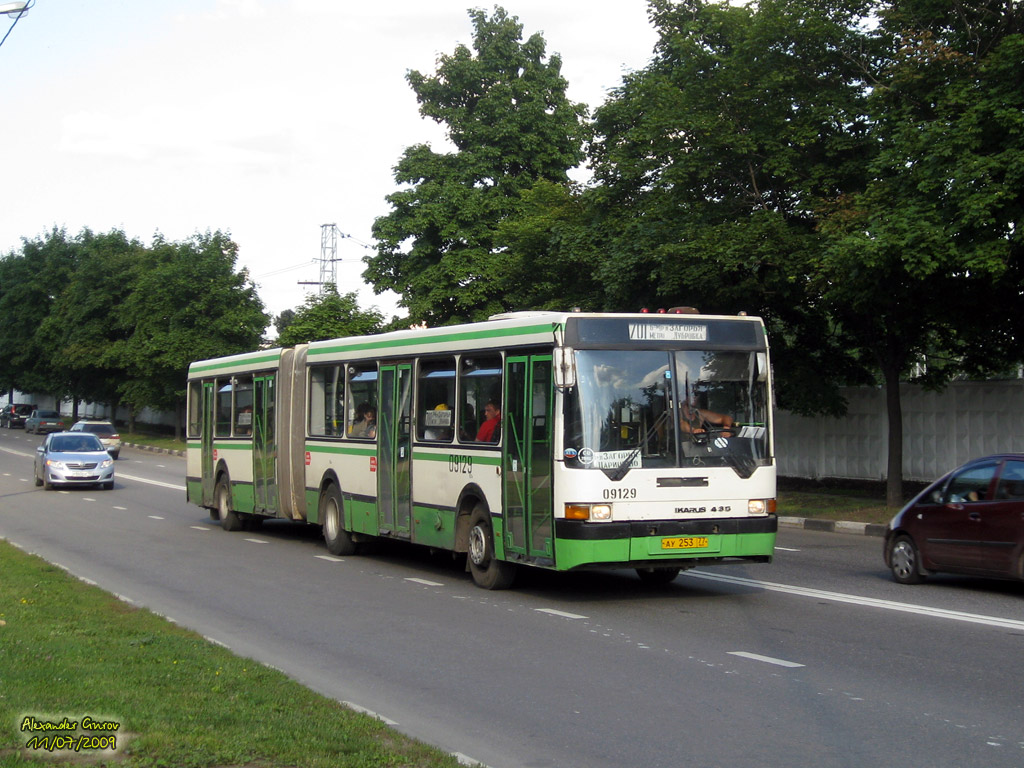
x: 766, y: 659
x: 136, y: 478
x: 563, y: 614
x: 870, y: 602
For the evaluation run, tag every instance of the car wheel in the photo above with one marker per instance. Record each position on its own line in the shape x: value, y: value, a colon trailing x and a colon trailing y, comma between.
x: 39, y: 480
x: 488, y: 571
x: 115, y: 454
x: 904, y: 561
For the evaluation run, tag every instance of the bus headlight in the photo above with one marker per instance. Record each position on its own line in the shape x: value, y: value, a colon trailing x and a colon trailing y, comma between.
x: 761, y: 507
x: 589, y: 512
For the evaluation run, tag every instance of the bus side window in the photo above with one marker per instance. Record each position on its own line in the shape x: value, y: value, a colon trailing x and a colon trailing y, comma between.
x: 243, y: 406
x: 479, y: 384
x: 222, y: 414
x: 435, y: 400
x: 327, y: 400
x: 362, y: 399
x: 195, y: 409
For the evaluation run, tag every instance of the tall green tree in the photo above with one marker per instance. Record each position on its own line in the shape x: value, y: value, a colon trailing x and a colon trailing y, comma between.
x: 84, y: 322
x: 713, y: 162
x: 329, y: 315
x: 511, y: 124
x: 189, y: 302
x: 31, y: 282
x: 926, y: 262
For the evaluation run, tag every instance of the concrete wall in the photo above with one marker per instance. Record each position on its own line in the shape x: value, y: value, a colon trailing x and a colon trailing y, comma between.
x: 940, y: 431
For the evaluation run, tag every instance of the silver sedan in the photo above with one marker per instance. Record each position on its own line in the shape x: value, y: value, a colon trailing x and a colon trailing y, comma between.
x: 73, y: 458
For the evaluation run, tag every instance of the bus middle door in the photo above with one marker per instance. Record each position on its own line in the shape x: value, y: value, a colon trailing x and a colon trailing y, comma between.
x: 209, y: 400
x: 394, y: 450
x: 264, y: 446
x: 527, y: 459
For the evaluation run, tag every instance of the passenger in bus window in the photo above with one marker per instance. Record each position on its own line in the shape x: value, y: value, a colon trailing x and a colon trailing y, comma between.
x: 490, y: 430
x: 366, y: 421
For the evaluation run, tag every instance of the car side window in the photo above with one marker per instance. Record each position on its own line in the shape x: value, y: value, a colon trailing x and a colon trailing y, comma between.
x: 971, y: 485
x: 1011, y: 482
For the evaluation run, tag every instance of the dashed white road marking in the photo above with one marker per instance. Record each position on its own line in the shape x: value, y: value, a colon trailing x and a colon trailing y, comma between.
x: 786, y: 549
x: 563, y: 614
x: 200, y: 528
x: 766, y: 659
x: 258, y: 541
x: 329, y: 558
x: 425, y: 582
x: 156, y: 517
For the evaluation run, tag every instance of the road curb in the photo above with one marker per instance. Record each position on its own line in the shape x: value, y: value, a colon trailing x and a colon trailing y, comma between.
x: 833, y: 526
x: 154, y: 449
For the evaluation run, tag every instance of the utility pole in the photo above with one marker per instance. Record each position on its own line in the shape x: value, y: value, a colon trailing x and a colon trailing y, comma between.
x: 328, y: 258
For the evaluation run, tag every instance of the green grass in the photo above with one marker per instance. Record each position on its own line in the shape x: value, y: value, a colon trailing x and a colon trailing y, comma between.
x: 69, y: 650
x: 835, y: 505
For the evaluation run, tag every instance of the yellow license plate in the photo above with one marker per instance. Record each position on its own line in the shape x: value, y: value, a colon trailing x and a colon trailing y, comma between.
x: 685, y: 542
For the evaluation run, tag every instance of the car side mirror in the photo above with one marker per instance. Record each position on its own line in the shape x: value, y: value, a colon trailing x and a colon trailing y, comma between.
x: 40, y: 449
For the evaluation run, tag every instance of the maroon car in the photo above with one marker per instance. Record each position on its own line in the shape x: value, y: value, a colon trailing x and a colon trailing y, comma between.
x: 969, y: 521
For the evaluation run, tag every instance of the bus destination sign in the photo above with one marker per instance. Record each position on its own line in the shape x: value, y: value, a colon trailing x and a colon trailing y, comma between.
x: 668, y: 332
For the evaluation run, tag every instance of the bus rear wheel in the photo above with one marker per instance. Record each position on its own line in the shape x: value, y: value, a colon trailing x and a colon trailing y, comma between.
x: 488, y: 571
x: 338, y: 540
x: 229, y: 520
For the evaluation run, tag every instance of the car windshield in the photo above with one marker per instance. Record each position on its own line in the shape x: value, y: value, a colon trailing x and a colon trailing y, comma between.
x: 640, y: 409
x: 75, y: 444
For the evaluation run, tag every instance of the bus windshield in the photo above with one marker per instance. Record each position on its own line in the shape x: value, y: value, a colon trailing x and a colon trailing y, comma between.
x: 636, y: 409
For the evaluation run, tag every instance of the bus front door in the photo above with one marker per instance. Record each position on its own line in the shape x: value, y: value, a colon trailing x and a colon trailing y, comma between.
x: 394, y: 450
x: 206, y: 441
x: 264, y: 446
x: 527, y: 459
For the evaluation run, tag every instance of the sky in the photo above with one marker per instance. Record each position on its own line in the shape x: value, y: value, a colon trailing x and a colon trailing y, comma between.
x: 263, y: 119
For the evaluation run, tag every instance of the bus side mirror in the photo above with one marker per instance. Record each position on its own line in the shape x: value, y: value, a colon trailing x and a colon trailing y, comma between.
x: 565, y: 367
x: 762, y: 366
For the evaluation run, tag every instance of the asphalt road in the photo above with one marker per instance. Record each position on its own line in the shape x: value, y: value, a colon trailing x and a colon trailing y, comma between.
x: 817, y: 659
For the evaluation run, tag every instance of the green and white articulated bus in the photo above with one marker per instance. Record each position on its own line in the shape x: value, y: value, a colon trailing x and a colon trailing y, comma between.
x: 563, y: 441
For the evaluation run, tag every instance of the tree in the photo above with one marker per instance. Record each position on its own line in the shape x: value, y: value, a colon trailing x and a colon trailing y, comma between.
x: 30, y: 283
x: 926, y: 262
x: 329, y: 316
x: 712, y: 164
x: 511, y: 124
x: 858, y: 185
x: 189, y: 303
x: 83, y: 323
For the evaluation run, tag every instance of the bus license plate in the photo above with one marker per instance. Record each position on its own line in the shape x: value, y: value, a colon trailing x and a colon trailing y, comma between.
x: 685, y: 542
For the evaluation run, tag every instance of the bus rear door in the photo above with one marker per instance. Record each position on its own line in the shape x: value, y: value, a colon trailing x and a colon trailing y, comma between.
x: 209, y: 398
x: 264, y: 446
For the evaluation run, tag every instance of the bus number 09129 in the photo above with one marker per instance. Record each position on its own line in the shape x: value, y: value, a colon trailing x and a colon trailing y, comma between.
x: 460, y: 464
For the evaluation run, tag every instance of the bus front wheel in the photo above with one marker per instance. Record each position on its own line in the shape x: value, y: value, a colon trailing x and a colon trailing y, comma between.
x: 488, y: 571
x: 338, y: 540
x: 229, y: 519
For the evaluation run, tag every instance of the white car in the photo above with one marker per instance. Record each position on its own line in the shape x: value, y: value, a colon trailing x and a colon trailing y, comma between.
x: 105, y: 431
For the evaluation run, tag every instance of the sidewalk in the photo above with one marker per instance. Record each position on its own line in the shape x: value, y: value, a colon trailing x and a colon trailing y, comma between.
x: 833, y: 526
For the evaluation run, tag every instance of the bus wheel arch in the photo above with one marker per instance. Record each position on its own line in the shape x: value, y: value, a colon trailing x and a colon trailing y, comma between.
x: 331, y: 514
x: 488, y: 571
x: 469, y: 498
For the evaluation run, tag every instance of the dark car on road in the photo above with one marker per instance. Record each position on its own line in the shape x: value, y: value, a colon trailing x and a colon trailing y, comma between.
x: 969, y: 521
x: 15, y: 415
x: 43, y: 421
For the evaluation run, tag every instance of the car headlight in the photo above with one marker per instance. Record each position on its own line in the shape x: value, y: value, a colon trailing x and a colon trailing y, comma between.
x: 106, y: 463
x: 54, y: 464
